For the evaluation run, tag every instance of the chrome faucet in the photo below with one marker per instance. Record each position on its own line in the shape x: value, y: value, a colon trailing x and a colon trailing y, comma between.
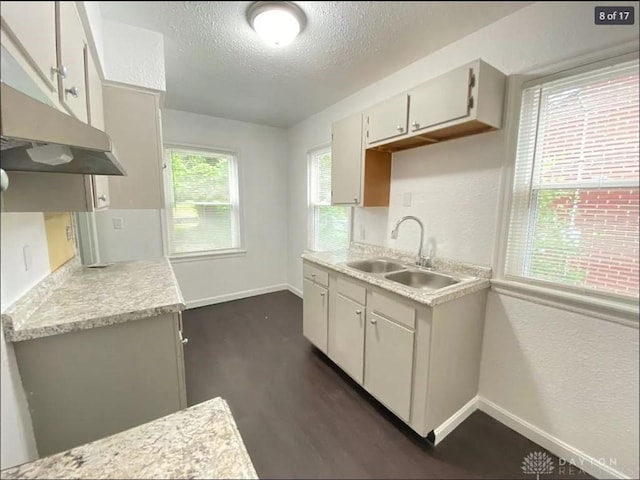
x: 420, y: 260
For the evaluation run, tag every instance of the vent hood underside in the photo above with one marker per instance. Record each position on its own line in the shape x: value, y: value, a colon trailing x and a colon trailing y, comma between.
x: 26, y: 122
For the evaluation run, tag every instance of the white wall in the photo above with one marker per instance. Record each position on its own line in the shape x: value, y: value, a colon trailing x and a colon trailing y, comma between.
x: 18, y: 230
x: 139, y: 239
x: 263, y: 175
x: 572, y: 376
x: 133, y: 55
x: 455, y: 190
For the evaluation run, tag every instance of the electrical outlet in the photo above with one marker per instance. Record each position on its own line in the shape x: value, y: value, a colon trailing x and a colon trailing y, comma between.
x: 26, y: 253
x: 406, y: 199
x: 118, y: 223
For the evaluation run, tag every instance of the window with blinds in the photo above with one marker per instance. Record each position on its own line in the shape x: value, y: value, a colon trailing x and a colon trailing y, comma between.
x: 203, y: 208
x: 329, y: 226
x: 574, y: 218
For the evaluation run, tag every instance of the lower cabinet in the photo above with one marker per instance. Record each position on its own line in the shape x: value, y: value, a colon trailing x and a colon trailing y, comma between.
x: 421, y: 362
x: 346, y: 336
x: 85, y: 385
x: 315, y: 314
x: 389, y: 364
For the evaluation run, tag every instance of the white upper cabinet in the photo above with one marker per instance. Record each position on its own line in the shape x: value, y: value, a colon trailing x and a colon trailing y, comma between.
x: 100, y: 183
x: 462, y: 102
x: 71, y: 60
x: 346, y: 160
x: 94, y: 93
x: 132, y: 120
x: 387, y: 119
x: 37, y: 44
x: 443, y: 99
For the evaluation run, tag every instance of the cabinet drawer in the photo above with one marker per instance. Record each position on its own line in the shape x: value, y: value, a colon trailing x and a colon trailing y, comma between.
x: 393, y: 309
x: 352, y: 290
x: 315, y: 274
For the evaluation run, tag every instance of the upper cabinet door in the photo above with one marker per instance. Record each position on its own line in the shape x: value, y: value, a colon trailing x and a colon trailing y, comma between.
x: 442, y: 99
x: 132, y: 120
x: 387, y: 119
x: 94, y: 94
x: 346, y: 160
x: 33, y: 26
x: 71, y: 60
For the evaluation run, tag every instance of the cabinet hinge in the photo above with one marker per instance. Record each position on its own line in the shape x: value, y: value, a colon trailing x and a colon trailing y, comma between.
x: 472, y: 79
x: 470, y: 102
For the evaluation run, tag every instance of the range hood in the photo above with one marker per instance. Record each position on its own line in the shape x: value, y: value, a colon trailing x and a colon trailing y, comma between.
x: 32, y: 129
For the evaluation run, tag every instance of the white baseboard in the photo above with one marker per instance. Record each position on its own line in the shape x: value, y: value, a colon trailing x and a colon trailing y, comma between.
x: 294, y: 290
x: 456, y: 419
x: 571, y: 455
x: 202, y: 302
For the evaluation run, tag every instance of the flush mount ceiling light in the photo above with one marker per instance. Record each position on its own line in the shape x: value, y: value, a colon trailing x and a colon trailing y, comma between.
x: 277, y: 23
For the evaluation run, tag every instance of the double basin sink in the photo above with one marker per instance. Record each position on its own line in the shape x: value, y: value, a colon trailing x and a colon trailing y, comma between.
x: 404, y: 275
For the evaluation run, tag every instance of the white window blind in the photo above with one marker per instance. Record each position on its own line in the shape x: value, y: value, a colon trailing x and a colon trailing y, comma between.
x: 574, y: 218
x: 329, y: 226
x: 203, y: 207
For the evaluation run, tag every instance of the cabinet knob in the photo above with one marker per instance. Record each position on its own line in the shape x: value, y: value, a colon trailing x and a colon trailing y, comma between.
x: 313, y: 275
x: 373, y: 321
x: 358, y: 312
x: 322, y: 294
x: 103, y: 198
x: 73, y: 91
x: 400, y: 128
x: 355, y: 200
x: 415, y: 125
x: 61, y: 71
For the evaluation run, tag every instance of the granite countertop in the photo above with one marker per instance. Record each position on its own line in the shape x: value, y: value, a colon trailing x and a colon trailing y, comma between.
x: 472, y: 278
x: 77, y: 298
x: 200, y: 442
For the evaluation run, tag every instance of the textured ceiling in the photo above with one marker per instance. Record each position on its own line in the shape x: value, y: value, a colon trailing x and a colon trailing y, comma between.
x: 216, y: 64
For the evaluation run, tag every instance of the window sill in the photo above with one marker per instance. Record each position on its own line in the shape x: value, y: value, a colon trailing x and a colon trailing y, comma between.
x: 609, y: 310
x: 198, y: 257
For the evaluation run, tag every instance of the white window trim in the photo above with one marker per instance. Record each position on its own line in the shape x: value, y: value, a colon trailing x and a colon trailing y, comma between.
x: 318, y: 150
x: 166, y: 216
x: 605, y: 307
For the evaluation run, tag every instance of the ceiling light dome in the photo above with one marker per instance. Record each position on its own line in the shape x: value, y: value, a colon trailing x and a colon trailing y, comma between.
x: 277, y: 23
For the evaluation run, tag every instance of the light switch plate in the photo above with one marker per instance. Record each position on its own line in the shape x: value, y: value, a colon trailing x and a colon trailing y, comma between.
x: 118, y: 223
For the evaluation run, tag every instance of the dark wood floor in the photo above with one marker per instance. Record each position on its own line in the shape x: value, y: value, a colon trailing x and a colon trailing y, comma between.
x: 301, y: 417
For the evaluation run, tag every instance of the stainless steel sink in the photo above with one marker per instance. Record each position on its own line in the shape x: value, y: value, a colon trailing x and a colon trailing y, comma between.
x: 421, y: 279
x: 377, y: 265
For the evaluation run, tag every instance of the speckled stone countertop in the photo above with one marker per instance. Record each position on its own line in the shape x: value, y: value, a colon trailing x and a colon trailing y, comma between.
x: 200, y: 442
x: 77, y: 298
x: 472, y: 278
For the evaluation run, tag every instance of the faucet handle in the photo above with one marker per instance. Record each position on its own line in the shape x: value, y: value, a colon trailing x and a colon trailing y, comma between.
x: 424, y: 262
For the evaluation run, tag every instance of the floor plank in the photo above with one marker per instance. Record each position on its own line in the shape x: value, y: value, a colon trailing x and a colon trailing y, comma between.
x: 301, y: 417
